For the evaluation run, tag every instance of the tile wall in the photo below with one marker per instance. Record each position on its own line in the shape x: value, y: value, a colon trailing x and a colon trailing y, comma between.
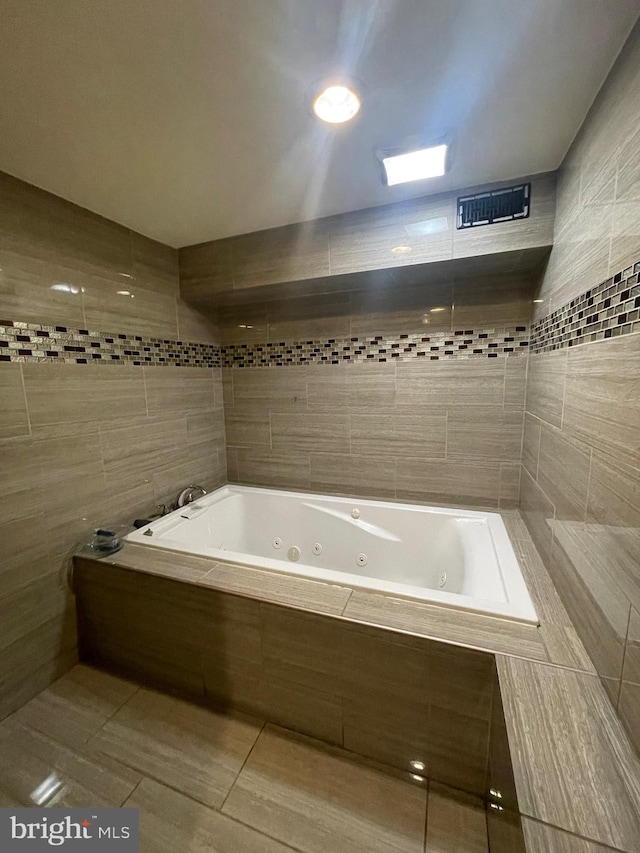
x: 341, y: 248
x: 415, y: 394
x: 86, y: 441
x: 580, y: 489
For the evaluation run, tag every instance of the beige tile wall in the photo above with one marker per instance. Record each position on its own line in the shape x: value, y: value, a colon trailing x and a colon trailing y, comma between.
x: 307, y: 255
x: 447, y: 431
x: 411, y: 308
x: 597, y: 228
x: 440, y: 431
x: 45, y: 241
x: 580, y: 489
x: 82, y: 445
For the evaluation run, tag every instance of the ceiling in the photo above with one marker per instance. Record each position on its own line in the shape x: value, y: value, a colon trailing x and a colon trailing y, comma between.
x: 190, y: 121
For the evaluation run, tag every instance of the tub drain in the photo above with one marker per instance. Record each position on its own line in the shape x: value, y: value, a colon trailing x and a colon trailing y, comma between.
x: 443, y: 580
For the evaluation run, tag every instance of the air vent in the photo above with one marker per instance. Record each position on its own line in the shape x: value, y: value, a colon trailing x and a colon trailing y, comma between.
x: 497, y: 206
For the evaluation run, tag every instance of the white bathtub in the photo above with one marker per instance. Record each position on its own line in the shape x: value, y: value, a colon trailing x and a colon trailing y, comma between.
x: 460, y: 558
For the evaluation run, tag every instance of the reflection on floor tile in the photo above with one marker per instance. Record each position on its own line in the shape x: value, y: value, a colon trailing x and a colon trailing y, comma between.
x: 77, y: 705
x: 37, y: 770
x: 456, y: 822
x: 171, y: 822
x: 204, y: 781
x: 189, y: 748
x: 318, y: 799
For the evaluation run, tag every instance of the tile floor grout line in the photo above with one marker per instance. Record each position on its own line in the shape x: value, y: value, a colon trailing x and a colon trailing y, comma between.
x: 262, y: 728
x: 258, y: 831
x: 624, y: 659
x: 426, y: 816
x: 212, y: 809
x: 513, y: 656
x: 131, y: 793
x: 111, y: 716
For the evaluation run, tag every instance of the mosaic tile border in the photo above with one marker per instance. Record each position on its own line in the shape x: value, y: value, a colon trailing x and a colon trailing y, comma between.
x: 29, y: 342
x: 463, y: 343
x: 609, y: 310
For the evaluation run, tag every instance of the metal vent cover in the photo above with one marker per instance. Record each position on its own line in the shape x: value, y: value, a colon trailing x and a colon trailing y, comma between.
x: 495, y: 206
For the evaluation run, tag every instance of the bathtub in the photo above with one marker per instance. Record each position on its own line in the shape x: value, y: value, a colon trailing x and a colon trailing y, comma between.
x: 459, y: 558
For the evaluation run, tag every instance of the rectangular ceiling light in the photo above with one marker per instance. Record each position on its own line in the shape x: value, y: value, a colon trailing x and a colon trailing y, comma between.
x: 415, y: 165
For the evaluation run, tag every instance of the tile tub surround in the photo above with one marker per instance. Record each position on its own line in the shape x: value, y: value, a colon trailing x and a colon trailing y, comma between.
x: 395, y: 399
x: 446, y: 431
x: 82, y: 444
x: 322, y: 684
x: 327, y: 678
x: 580, y: 487
x: 224, y: 782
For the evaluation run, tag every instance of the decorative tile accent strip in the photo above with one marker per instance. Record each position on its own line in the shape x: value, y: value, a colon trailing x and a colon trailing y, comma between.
x: 462, y: 343
x: 28, y: 342
x: 609, y: 310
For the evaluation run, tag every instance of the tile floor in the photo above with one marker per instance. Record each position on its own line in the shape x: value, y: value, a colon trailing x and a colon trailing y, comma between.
x: 220, y: 783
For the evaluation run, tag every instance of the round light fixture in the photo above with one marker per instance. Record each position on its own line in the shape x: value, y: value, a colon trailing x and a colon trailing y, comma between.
x: 336, y: 104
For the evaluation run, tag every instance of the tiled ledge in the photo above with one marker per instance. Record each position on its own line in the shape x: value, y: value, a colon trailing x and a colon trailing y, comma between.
x: 573, y: 766
x: 576, y: 774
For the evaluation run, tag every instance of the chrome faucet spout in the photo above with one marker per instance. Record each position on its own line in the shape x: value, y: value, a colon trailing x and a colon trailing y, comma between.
x: 191, y: 493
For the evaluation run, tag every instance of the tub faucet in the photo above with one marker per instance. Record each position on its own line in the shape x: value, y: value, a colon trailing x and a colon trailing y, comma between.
x: 191, y: 493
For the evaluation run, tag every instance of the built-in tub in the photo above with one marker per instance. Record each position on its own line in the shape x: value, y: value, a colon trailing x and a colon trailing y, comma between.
x: 460, y: 558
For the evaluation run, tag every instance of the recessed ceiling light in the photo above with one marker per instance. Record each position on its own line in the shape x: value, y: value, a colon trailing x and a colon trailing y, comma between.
x: 436, y: 310
x: 336, y: 104
x: 415, y: 165
x: 538, y: 300
x: 123, y: 293
x: 418, y: 765
x: 401, y: 250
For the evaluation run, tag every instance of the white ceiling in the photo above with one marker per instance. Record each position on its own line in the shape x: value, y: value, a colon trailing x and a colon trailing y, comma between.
x: 188, y: 120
